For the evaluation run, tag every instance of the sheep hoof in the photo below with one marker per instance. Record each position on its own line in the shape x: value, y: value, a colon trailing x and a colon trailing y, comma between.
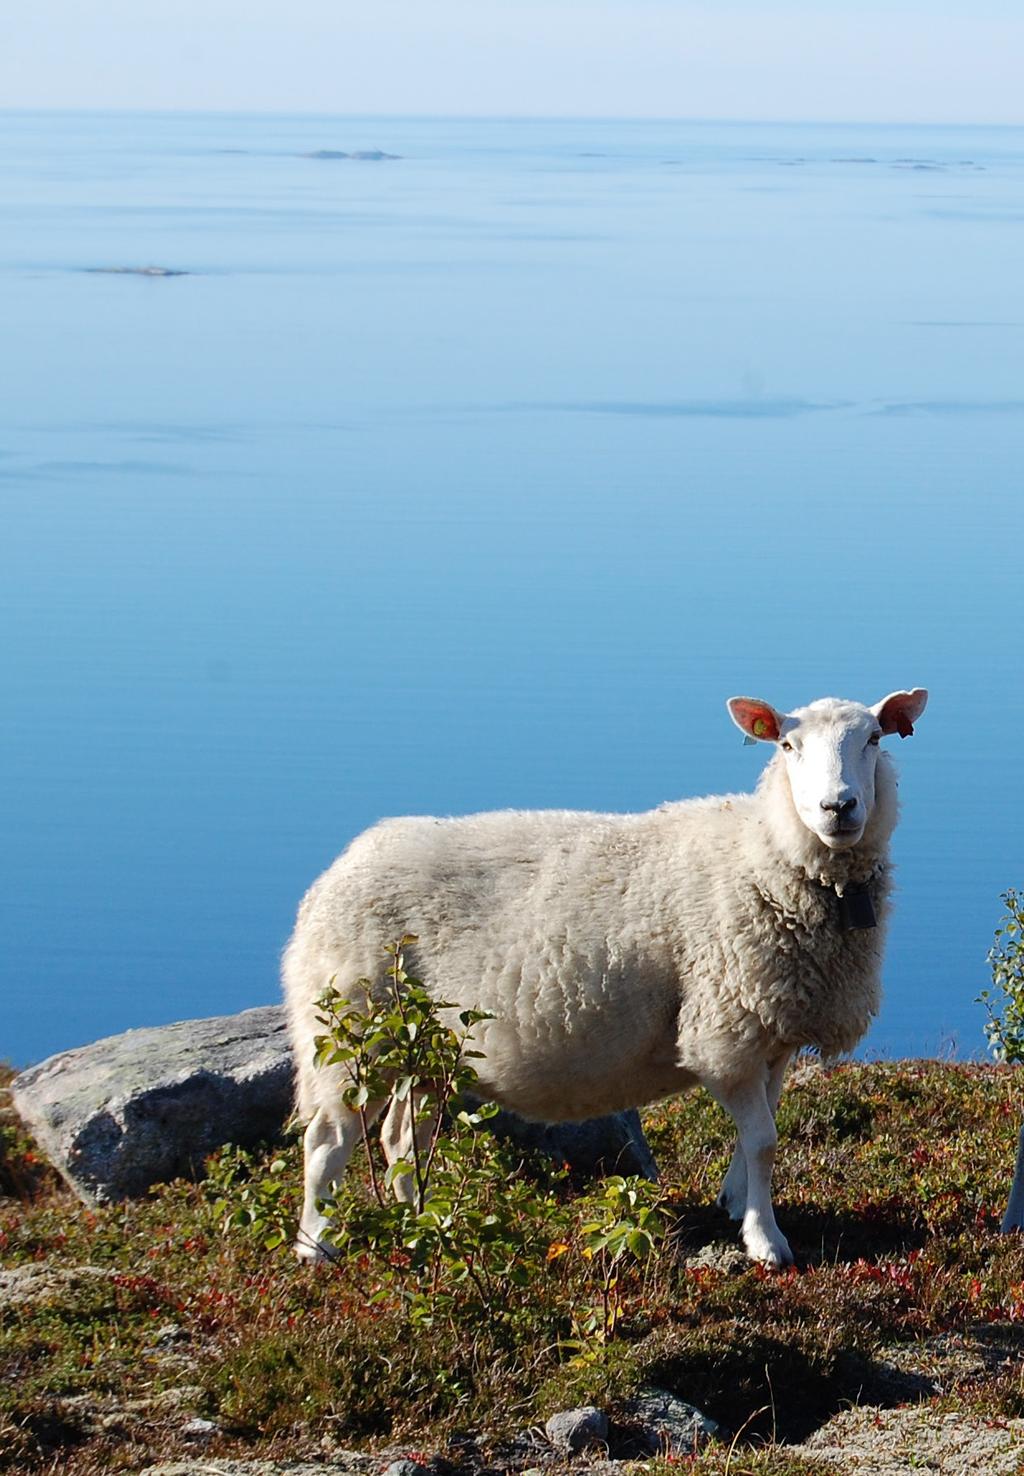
x: 313, y: 1252
x: 777, y: 1258
x: 772, y: 1251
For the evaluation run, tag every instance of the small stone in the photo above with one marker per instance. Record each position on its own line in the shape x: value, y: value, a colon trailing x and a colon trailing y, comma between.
x: 170, y: 1400
x: 405, y: 1467
x: 525, y: 1449
x: 198, y: 1429
x: 168, y: 1335
x: 719, y: 1256
x: 573, y: 1430
x: 667, y: 1425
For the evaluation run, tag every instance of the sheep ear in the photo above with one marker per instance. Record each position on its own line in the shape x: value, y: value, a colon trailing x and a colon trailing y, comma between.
x: 756, y: 718
x: 898, y: 712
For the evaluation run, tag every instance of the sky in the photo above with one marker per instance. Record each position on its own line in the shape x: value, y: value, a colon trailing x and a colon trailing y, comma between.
x: 938, y: 61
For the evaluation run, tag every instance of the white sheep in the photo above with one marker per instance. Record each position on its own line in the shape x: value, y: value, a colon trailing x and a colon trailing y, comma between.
x: 625, y: 958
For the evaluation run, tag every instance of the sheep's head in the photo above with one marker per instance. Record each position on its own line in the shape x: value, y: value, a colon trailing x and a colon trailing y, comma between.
x: 831, y: 751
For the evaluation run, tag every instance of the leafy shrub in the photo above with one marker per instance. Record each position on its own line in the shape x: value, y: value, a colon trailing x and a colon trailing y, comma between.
x: 474, y: 1242
x: 1005, y: 1027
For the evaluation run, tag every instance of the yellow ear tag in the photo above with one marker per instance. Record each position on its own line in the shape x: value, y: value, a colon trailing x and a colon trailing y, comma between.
x: 760, y: 727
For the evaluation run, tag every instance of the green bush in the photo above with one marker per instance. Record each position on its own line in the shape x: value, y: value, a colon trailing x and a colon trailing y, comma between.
x: 1005, y: 1001
x: 477, y: 1241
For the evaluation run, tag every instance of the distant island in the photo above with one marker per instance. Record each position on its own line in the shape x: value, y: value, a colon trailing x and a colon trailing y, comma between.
x: 373, y: 154
x: 141, y: 271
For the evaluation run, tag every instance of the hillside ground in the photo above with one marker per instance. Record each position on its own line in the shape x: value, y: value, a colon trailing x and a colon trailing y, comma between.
x: 146, y: 1332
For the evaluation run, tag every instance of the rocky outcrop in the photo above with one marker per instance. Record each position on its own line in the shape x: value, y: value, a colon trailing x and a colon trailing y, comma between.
x: 147, y: 1106
x: 897, y: 1442
x: 39, y: 1284
x: 667, y: 1425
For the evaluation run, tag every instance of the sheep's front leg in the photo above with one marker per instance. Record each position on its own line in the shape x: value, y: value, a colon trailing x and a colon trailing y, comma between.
x: 407, y: 1121
x: 732, y: 1196
x: 748, y: 1105
x: 328, y: 1145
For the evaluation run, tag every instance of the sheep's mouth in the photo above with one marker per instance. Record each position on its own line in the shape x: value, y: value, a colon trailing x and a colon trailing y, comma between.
x: 840, y: 837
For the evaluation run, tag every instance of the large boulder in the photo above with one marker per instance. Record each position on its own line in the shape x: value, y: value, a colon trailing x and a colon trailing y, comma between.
x: 140, y: 1108
x: 149, y: 1105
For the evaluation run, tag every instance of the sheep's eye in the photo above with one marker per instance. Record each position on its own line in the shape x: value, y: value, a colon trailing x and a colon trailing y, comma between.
x: 786, y: 746
x: 874, y: 740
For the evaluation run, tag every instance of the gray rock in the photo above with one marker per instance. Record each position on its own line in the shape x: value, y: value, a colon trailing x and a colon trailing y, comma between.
x: 199, y: 1429
x: 895, y: 1442
x: 573, y: 1430
x: 169, y: 1334
x: 140, y: 1108
x: 601, y: 1145
x: 148, y: 1106
x: 37, y: 1284
x: 719, y: 1256
x: 667, y: 1425
x: 405, y: 1467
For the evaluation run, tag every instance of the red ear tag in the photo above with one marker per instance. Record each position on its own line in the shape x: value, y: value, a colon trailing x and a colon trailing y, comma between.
x: 904, y: 726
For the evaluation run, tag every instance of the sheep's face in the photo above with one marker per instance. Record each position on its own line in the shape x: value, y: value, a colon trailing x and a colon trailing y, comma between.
x: 830, y: 750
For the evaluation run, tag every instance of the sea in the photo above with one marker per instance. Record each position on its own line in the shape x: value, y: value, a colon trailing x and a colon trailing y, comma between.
x: 480, y: 475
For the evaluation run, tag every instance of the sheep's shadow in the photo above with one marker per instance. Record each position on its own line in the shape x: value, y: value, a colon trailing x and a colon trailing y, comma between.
x: 817, y: 1235
x: 749, y: 1358
x: 771, y: 1388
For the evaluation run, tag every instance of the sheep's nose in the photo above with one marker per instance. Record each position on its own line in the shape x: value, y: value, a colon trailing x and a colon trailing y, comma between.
x: 840, y: 807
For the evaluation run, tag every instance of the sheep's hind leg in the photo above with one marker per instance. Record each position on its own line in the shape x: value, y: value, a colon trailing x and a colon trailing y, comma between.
x: 732, y: 1196
x: 748, y: 1105
x: 328, y: 1144
x: 405, y: 1121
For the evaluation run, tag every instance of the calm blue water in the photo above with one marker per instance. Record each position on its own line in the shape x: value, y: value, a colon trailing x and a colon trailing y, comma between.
x: 481, y: 478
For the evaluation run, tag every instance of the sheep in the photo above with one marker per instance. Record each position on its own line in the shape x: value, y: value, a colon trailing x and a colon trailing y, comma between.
x: 625, y: 958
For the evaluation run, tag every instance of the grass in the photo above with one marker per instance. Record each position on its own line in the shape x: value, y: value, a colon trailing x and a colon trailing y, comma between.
x: 890, y: 1183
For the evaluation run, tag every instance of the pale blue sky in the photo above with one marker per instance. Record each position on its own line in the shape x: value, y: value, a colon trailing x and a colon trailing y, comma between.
x: 914, y: 60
